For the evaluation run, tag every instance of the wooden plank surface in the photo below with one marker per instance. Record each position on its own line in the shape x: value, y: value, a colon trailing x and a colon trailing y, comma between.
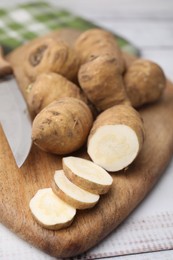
x: 90, y: 226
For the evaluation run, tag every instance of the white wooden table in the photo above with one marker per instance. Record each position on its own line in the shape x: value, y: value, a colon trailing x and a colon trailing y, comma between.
x: 147, y: 24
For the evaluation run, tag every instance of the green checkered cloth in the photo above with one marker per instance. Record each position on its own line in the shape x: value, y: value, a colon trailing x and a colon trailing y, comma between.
x: 25, y: 22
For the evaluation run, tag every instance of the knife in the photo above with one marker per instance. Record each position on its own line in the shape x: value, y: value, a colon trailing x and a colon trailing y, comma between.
x: 14, y: 115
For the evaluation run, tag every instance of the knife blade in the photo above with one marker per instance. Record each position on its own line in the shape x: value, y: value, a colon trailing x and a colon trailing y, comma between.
x: 15, y: 119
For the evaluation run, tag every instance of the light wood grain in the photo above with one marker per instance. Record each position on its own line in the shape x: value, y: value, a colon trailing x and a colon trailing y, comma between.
x: 90, y: 226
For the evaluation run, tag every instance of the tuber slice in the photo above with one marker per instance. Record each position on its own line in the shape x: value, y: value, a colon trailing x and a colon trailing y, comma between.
x: 116, y: 137
x: 50, y: 211
x: 71, y: 193
x: 87, y: 175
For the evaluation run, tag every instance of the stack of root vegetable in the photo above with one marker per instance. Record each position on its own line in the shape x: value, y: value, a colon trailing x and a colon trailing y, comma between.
x: 78, y: 186
x: 89, y: 93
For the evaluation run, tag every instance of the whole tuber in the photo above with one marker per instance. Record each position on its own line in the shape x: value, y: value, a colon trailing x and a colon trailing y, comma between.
x: 144, y: 82
x: 51, y: 55
x: 63, y: 126
x: 49, y: 87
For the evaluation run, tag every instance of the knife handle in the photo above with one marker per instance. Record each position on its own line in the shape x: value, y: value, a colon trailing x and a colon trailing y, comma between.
x: 5, y: 66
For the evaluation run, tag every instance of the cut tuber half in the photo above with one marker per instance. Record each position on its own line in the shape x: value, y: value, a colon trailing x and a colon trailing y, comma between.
x: 87, y: 175
x: 50, y: 211
x: 71, y: 193
x: 116, y: 138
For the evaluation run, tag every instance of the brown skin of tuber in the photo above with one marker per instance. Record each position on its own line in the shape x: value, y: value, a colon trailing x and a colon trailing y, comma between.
x: 144, y: 82
x: 128, y: 60
x: 63, y: 126
x: 51, y: 55
x: 102, y: 82
x: 96, y: 42
x: 49, y: 87
x: 100, y: 75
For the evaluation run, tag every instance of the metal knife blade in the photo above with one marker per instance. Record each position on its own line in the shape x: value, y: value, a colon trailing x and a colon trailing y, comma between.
x: 15, y: 120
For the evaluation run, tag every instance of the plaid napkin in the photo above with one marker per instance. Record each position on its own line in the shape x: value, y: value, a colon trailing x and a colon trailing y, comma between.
x: 25, y: 22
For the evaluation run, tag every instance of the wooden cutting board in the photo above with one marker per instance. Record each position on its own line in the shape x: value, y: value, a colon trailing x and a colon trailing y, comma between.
x: 90, y: 226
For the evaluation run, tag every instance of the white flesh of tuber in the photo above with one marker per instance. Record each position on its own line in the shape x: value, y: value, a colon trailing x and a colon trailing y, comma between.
x: 87, y: 175
x: 50, y: 211
x: 114, y: 147
x: 71, y: 193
